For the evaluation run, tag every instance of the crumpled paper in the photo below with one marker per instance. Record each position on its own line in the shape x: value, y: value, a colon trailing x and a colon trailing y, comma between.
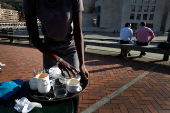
x: 24, y: 105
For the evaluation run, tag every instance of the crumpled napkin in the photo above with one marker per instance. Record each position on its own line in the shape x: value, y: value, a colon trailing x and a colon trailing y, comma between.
x: 24, y: 105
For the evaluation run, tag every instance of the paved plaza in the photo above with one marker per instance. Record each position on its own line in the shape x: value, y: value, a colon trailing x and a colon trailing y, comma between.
x: 116, y: 85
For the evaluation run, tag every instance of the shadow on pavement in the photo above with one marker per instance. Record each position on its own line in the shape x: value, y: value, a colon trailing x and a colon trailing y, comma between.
x: 104, y: 69
x: 150, y: 61
x: 136, y: 65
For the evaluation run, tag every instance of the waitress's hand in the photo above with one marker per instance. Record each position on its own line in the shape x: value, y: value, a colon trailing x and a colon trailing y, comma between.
x: 64, y: 66
x: 84, y: 72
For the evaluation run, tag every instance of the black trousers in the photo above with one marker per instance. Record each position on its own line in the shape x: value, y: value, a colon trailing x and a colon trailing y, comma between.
x: 142, y: 44
x: 124, y: 42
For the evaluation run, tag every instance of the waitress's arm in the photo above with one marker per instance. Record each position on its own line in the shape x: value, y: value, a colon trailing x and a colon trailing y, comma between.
x: 31, y: 23
x: 79, y: 42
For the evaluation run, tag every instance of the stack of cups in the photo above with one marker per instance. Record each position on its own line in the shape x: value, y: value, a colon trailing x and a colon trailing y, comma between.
x: 61, y: 86
x: 41, y: 81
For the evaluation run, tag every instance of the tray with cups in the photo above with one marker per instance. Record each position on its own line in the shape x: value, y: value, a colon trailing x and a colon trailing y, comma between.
x: 49, y: 86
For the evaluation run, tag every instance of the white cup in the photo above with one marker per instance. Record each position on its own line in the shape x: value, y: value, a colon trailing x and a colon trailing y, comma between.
x: 44, y: 88
x: 33, y: 84
x: 34, y: 79
x: 55, y: 72
x: 43, y: 83
x: 68, y: 78
x: 73, y: 86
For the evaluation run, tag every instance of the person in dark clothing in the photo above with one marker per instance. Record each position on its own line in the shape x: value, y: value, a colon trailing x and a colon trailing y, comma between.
x: 60, y: 45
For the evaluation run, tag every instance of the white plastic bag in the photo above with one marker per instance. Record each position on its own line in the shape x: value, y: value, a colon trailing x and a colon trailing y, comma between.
x: 24, y: 105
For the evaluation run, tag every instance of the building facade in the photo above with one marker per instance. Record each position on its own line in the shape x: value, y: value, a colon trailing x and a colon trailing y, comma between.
x: 8, y: 18
x: 153, y: 12
x: 110, y: 15
x: 13, y: 19
x: 87, y: 21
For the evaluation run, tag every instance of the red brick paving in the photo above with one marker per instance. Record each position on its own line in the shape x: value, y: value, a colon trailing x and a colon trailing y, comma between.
x: 151, y: 94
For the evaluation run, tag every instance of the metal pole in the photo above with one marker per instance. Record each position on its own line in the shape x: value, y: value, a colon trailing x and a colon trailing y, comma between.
x: 168, y: 39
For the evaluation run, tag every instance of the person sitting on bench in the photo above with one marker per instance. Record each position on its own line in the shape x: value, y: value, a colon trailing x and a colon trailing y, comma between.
x: 126, y: 35
x: 142, y: 34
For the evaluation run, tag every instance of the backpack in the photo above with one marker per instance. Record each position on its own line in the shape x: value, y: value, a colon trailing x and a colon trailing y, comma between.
x: 164, y: 45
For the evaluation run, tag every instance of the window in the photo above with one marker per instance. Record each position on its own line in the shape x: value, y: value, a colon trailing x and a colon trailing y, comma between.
x: 152, y: 8
x: 138, y: 17
x: 151, y: 17
x: 96, y: 16
x: 149, y: 25
x: 132, y: 8
x: 145, y: 16
x: 147, y: 1
x: 140, y: 1
x: 153, y: 1
x: 146, y: 8
x: 132, y: 16
x: 133, y: 1
x: 134, y: 26
x: 139, y: 8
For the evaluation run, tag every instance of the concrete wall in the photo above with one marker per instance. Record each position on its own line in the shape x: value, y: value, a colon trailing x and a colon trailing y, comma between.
x: 88, y: 6
x: 115, y: 13
x: 158, y: 15
x: 98, y: 3
x: 97, y: 29
x: 165, y: 15
x: 168, y: 22
x: 110, y: 17
x: 87, y: 20
x: 110, y: 14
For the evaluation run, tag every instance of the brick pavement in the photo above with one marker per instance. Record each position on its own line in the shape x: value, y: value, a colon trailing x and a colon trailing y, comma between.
x: 151, y: 94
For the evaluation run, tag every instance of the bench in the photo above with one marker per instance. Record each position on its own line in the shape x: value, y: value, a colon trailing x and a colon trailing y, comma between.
x: 126, y: 47
x: 6, y: 32
x: 12, y: 37
x: 102, y: 43
x: 149, y: 48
